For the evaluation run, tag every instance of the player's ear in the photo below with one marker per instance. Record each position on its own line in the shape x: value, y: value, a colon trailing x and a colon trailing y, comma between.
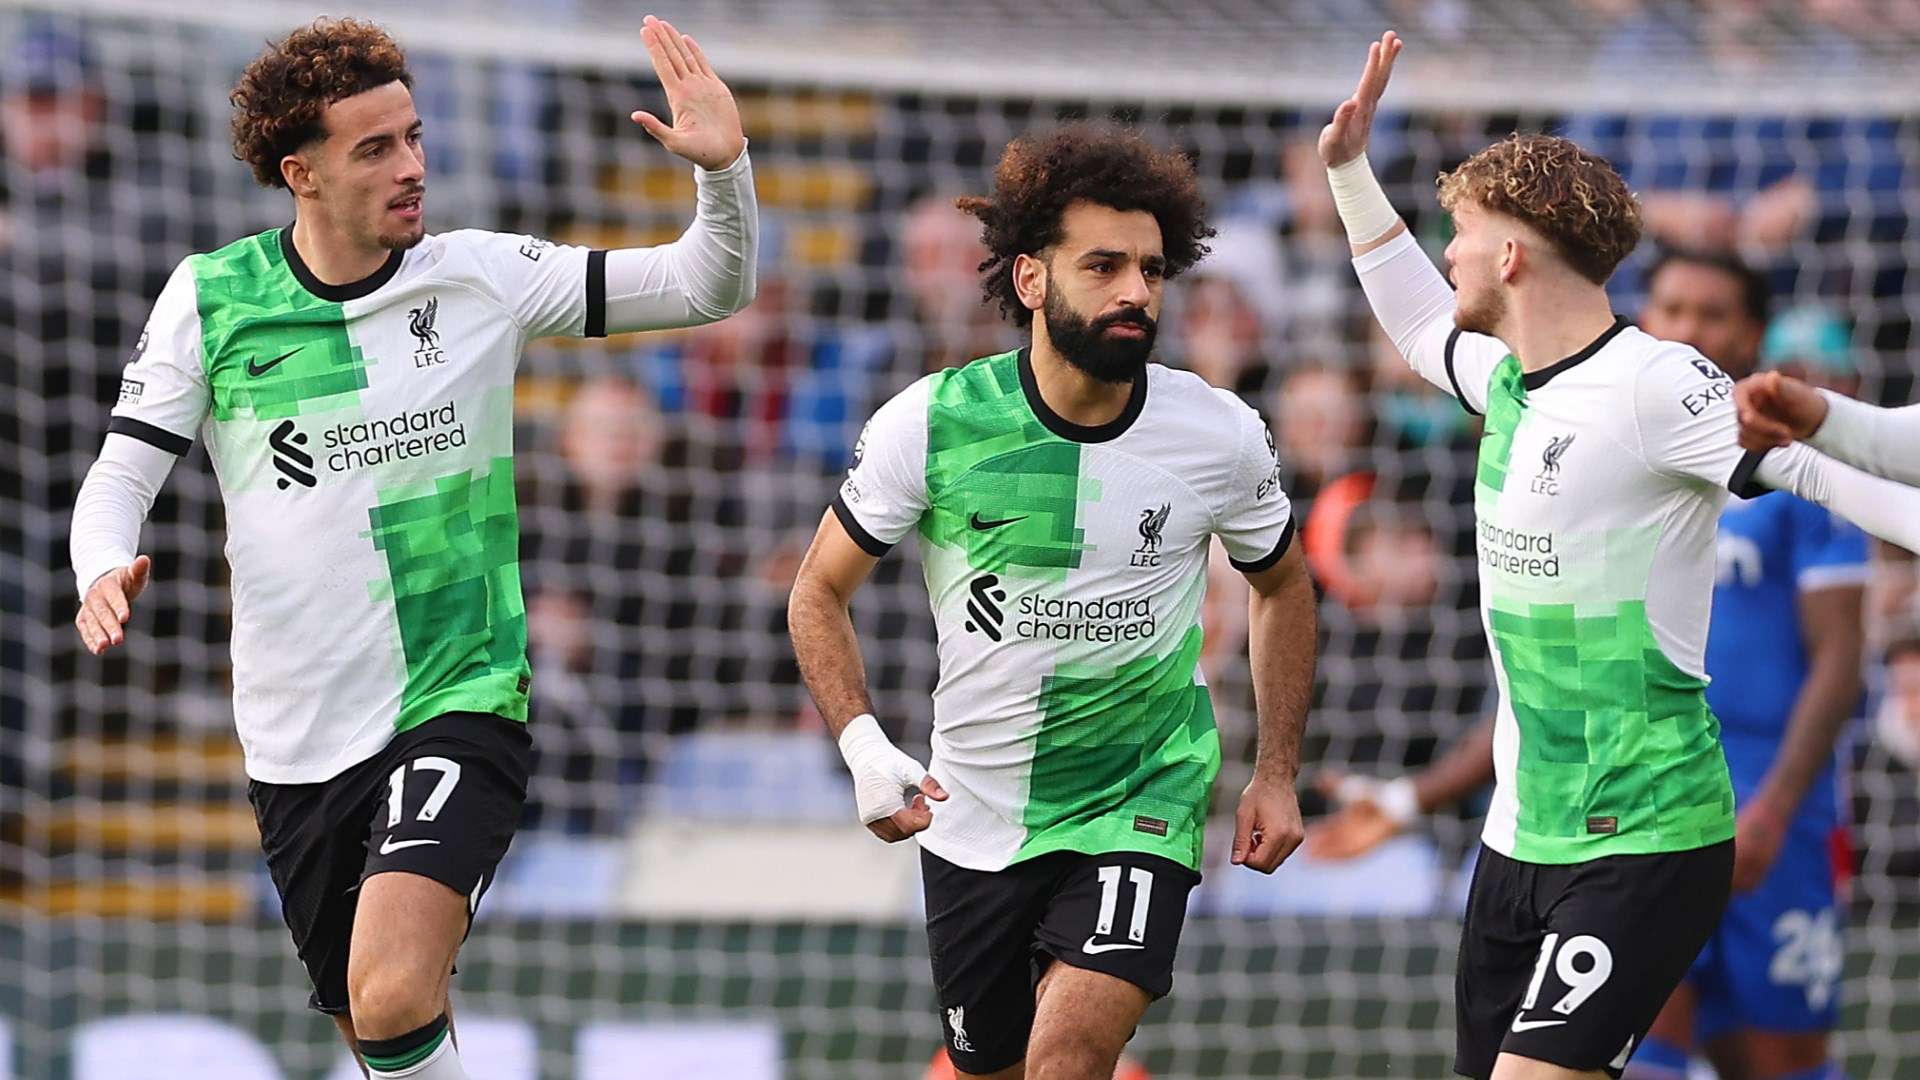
x: 1030, y: 281
x: 1512, y: 254
x: 299, y: 177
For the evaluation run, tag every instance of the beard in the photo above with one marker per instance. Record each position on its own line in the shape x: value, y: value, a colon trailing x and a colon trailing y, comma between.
x: 1483, y: 317
x: 401, y: 241
x: 1086, y: 345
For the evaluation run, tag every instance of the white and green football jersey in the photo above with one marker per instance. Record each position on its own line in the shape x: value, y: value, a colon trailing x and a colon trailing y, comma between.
x: 1597, y: 498
x: 363, y: 440
x: 1065, y: 567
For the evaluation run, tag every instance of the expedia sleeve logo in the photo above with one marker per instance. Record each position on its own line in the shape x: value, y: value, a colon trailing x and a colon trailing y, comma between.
x: 1719, y: 387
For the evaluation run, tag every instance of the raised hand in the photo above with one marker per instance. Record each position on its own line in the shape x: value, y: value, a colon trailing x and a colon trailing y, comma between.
x: 706, y: 121
x: 1345, y: 136
x: 109, y: 605
x: 1776, y: 409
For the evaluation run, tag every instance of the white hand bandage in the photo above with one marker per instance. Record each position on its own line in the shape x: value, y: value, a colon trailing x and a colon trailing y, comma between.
x: 1394, y: 798
x: 882, y: 773
x: 1363, y: 206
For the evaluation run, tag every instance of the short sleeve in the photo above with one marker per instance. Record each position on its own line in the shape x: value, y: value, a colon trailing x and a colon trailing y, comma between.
x: 163, y: 392
x: 885, y: 492
x: 1684, y: 412
x: 552, y: 290
x: 1828, y: 551
x: 1256, y: 522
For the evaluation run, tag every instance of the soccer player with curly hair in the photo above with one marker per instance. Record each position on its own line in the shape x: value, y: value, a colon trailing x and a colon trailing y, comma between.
x: 351, y: 376
x: 1066, y: 496
x: 1606, y: 458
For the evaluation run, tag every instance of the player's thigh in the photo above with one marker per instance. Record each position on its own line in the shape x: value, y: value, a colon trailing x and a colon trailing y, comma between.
x: 1621, y: 933
x: 1514, y: 1067
x: 981, y: 927
x: 1082, y: 1022
x: 1674, y: 1025
x: 405, y: 935
x: 448, y: 802
x: 1783, y: 950
x: 1499, y: 946
x: 313, y: 838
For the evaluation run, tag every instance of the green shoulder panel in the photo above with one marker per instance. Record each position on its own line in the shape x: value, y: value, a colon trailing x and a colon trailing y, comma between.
x: 272, y: 349
x: 1000, y: 486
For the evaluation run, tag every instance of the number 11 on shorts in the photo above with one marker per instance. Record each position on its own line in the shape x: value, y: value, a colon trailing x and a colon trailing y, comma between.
x: 1110, y: 901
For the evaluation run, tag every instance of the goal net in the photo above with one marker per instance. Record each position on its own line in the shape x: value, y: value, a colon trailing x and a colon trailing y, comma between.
x: 690, y: 896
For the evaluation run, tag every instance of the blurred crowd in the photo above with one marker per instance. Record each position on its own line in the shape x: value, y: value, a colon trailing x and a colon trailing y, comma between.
x: 669, y: 482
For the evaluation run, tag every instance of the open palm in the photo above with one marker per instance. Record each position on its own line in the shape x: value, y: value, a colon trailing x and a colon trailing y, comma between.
x: 1345, y: 136
x: 706, y: 121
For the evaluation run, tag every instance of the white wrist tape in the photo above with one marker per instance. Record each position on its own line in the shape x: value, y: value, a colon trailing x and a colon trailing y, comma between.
x: 1363, y: 205
x: 882, y: 773
x: 1394, y: 798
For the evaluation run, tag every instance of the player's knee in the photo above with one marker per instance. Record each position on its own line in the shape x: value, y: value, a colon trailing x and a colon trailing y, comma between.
x: 387, y: 1000
x: 1072, y: 1055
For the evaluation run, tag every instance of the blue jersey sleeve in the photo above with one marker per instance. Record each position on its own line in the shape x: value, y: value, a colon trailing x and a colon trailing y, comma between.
x: 1828, y: 551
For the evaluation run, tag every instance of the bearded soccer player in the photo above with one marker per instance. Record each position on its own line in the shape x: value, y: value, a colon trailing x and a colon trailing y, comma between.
x: 1066, y: 496
x: 352, y: 377
x: 1783, y: 652
x: 1606, y: 458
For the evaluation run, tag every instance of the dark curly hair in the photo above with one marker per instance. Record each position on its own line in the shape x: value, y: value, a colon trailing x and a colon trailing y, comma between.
x: 1040, y: 175
x: 1572, y: 197
x: 278, y: 102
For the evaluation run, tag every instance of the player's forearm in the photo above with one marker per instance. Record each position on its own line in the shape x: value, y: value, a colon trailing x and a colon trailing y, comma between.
x: 710, y: 272
x: 1885, y: 442
x: 1825, y: 703
x: 1888, y: 510
x: 1411, y: 300
x: 1465, y: 768
x: 1282, y: 637
x: 113, y: 503
x: 828, y: 651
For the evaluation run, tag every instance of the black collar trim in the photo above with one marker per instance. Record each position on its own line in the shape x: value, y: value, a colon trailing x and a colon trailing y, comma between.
x: 352, y: 290
x: 1534, y: 380
x: 1066, y: 428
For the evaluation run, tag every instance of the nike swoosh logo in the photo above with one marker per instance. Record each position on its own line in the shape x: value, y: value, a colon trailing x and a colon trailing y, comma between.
x: 257, y: 370
x: 983, y: 525
x: 388, y: 847
x: 1113, y: 946
x: 1520, y: 1025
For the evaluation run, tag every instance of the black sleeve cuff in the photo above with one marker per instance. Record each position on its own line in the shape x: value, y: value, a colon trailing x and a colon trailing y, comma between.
x: 596, y: 293
x: 1458, y: 394
x: 1742, y: 483
x: 868, y: 542
x: 1266, y: 561
x: 147, y: 433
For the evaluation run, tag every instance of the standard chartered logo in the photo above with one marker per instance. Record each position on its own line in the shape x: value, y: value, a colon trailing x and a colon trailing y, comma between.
x: 985, y: 616
x: 1516, y: 551
x: 1037, y: 616
x: 347, y: 446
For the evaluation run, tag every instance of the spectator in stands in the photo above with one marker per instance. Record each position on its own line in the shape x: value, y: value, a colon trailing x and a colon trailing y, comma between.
x: 1897, y: 721
x: 574, y: 780
x: 939, y: 268
x: 651, y: 545
x: 1813, y: 344
x: 87, y: 238
x: 1321, y: 422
